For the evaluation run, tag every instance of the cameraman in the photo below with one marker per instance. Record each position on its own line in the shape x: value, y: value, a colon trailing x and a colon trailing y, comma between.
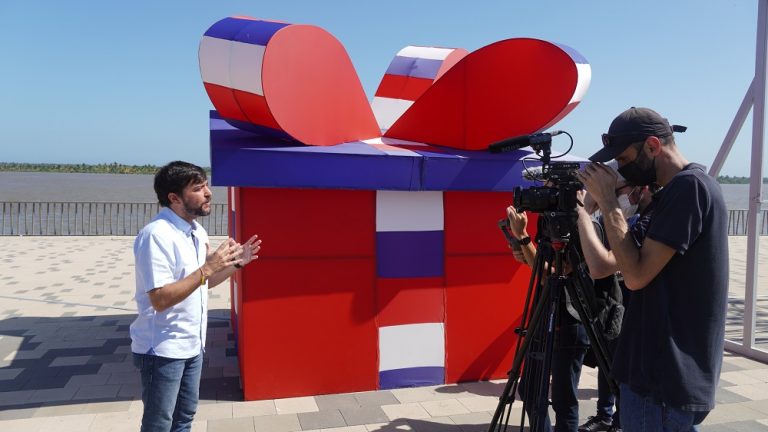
x: 671, y: 346
x: 571, y: 341
x: 637, y: 206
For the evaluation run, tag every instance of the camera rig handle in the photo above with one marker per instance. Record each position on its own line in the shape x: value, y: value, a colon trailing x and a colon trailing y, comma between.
x: 505, y: 229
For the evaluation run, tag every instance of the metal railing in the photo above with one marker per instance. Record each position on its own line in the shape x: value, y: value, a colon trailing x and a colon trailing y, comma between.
x: 737, y: 222
x: 92, y: 218
x: 126, y: 219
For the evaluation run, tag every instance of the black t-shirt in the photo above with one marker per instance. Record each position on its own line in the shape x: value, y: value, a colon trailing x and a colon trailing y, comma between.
x: 671, y: 344
x: 638, y: 228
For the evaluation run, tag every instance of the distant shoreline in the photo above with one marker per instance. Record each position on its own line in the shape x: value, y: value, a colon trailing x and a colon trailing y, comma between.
x: 112, y: 168
x: 85, y: 187
x: 736, y: 180
x: 116, y: 168
x: 139, y: 188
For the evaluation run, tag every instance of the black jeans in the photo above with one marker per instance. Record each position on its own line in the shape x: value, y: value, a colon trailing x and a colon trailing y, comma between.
x: 605, y: 398
x: 571, y: 344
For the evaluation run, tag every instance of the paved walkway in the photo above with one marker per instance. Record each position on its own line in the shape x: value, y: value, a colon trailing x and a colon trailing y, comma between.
x: 65, y: 365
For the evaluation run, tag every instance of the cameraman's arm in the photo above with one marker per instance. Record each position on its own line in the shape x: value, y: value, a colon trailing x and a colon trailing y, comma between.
x: 599, y: 259
x: 518, y: 223
x: 638, y: 265
x: 529, y: 252
x: 519, y: 256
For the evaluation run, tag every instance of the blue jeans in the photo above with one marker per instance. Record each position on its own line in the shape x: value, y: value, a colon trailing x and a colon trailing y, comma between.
x: 170, y: 391
x: 643, y: 414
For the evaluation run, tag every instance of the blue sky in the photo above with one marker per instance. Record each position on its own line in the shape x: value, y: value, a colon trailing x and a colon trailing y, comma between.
x: 104, y: 81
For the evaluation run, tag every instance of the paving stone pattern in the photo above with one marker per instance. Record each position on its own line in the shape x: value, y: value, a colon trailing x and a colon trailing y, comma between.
x: 65, y: 362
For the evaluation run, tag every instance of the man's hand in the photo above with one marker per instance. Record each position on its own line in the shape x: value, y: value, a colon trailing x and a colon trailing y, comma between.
x: 517, y: 222
x: 600, y: 180
x: 250, y: 250
x: 228, y: 253
x: 217, y: 267
x: 584, y: 197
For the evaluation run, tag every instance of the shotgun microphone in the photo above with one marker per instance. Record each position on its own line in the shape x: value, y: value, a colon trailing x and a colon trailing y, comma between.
x: 518, y: 142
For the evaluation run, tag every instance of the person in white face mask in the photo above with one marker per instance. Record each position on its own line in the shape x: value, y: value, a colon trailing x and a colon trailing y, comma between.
x: 670, y: 351
x: 636, y: 206
x: 571, y: 342
x: 627, y: 208
x: 628, y: 196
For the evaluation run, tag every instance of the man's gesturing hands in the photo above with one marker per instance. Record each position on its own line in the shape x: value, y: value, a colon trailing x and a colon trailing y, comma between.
x: 227, y: 254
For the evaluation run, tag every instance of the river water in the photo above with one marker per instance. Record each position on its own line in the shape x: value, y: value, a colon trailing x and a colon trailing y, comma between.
x: 130, y: 188
x: 77, y: 187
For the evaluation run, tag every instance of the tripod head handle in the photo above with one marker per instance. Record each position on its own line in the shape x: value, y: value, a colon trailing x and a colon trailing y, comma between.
x: 505, y: 229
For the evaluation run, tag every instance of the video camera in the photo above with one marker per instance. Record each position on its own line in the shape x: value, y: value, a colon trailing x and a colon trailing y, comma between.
x: 559, y: 192
x: 559, y: 197
x: 559, y: 276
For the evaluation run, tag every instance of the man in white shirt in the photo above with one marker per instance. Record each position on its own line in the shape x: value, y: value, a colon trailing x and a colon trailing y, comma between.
x: 174, y: 268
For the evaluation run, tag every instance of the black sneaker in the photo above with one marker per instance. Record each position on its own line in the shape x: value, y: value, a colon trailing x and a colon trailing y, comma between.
x: 596, y: 424
x: 614, y: 428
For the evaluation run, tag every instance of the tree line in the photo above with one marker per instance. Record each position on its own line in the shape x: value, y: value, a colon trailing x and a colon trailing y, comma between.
x: 111, y: 168
x: 736, y: 180
x: 117, y: 168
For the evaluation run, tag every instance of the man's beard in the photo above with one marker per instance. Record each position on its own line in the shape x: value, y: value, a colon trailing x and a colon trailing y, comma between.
x: 196, y: 211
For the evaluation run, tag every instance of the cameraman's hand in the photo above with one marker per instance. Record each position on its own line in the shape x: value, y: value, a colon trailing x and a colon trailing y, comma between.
x: 518, y: 221
x: 600, y: 180
x: 590, y: 206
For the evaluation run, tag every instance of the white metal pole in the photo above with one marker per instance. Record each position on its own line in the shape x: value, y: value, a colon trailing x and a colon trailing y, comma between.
x: 756, y: 174
x: 733, y: 131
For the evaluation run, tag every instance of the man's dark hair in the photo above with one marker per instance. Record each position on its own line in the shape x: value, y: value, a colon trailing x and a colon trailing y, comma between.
x: 667, y: 140
x: 174, y: 177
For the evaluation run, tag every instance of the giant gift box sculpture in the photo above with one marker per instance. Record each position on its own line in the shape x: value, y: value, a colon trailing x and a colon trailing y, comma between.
x: 383, y: 265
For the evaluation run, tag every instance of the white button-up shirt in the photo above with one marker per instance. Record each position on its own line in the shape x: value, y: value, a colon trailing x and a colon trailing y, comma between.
x: 167, y: 250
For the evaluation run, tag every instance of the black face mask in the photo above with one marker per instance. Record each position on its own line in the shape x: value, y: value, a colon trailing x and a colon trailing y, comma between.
x: 641, y: 171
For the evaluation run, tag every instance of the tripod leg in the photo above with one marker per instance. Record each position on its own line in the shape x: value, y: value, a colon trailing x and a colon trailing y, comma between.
x: 530, y: 330
x: 507, y: 396
x: 536, y: 347
x: 540, y: 413
x: 539, y: 346
x: 594, y: 331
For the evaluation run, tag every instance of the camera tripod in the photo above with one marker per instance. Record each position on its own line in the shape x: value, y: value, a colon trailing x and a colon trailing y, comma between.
x: 536, y: 334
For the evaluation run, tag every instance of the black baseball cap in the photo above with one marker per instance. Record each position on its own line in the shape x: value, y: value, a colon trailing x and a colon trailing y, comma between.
x: 631, y: 126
